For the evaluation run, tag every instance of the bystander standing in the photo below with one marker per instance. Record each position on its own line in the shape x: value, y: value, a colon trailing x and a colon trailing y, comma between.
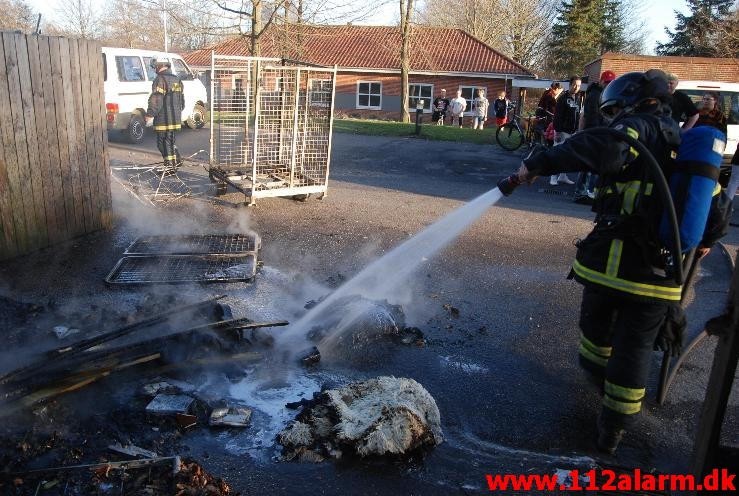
x: 683, y: 108
x: 566, y: 117
x: 441, y: 104
x: 457, y: 107
x: 480, y: 109
x: 591, y: 117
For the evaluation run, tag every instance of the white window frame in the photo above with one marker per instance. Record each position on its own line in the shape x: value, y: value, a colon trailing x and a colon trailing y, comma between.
x: 412, y: 108
x: 369, y: 107
x: 321, y: 103
x: 468, y: 112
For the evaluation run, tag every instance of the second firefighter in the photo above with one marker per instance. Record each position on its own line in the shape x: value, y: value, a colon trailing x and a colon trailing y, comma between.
x: 164, y: 111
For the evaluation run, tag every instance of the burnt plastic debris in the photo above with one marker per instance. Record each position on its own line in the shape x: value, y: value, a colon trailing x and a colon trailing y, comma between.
x: 311, y: 356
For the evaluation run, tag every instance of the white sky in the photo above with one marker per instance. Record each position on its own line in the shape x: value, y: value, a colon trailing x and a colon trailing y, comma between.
x: 657, y: 13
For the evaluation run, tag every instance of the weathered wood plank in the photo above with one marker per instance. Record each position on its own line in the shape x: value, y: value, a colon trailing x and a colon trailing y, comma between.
x: 52, y: 139
x: 70, y: 117
x: 21, y: 144
x: 57, y: 83
x: 29, y: 115
x: 43, y: 173
x: 101, y: 133
x: 12, y: 218
x: 89, y: 114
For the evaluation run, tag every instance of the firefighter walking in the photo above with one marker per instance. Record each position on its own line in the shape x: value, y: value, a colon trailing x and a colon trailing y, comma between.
x: 631, y: 297
x: 165, y: 110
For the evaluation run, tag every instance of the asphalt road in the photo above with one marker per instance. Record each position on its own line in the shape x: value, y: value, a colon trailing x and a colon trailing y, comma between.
x: 504, y: 373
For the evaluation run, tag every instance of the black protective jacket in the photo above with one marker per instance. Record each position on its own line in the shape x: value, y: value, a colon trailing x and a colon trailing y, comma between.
x: 591, y: 106
x: 567, y: 112
x: 166, y: 102
x: 623, y: 253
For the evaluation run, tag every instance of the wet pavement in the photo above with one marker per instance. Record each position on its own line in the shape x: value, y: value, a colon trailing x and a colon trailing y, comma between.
x: 503, y: 372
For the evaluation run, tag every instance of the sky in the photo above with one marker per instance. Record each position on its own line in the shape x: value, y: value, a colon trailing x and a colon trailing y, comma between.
x: 657, y: 13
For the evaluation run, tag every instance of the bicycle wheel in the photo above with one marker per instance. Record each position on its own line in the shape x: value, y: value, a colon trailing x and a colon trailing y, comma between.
x: 509, y: 137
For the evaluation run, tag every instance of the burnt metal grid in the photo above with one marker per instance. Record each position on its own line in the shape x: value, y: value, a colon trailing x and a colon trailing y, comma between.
x: 192, y: 244
x: 271, y: 125
x: 173, y: 269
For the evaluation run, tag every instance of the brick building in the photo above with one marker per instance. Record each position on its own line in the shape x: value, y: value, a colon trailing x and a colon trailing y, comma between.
x: 686, y: 68
x: 368, y: 61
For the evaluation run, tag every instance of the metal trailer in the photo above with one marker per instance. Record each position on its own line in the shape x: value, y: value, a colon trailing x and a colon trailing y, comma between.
x: 270, y: 126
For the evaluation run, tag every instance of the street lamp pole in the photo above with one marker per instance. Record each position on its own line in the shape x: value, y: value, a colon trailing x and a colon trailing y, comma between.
x: 166, y: 41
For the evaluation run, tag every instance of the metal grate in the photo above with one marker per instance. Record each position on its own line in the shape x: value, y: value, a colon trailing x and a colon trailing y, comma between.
x: 172, y: 269
x: 208, y: 244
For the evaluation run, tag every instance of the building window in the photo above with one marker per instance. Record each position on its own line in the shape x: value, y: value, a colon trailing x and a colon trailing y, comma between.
x: 319, y: 92
x: 419, y: 91
x: 469, y: 93
x: 369, y: 95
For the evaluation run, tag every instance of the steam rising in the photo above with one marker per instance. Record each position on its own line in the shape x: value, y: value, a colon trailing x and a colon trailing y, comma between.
x: 383, y: 276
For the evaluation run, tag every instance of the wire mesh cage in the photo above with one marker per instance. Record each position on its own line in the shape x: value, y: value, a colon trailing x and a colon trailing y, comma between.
x: 271, y: 125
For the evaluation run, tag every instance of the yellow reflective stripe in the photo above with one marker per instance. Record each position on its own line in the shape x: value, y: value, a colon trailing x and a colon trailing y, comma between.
x: 586, y: 353
x: 161, y: 90
x: 716, y: 189
x: 614, y: 257
x: 652, y: 291
x: 627, y: 408
x: 167, y: 127
x: 632, y: 132
x: 600, y: 350
x: 631, y: 394
x: 170, y: 157
x: 630, y: 190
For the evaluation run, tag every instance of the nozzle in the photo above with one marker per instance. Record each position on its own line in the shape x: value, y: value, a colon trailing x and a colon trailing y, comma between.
x: 508, y: 184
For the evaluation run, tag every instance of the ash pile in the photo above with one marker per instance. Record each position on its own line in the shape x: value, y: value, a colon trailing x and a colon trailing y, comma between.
x: 132, y: 405
x: 380, y: 417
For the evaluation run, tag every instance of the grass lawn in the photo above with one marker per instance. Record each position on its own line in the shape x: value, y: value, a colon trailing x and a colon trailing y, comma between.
x: 428, y: 131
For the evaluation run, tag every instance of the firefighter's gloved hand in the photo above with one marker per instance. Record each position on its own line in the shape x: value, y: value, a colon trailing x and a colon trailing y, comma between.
x: 671, y: 335
x: 149, y: 121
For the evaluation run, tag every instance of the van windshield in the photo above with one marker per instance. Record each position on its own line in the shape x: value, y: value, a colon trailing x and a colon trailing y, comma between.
x: 728, y: 103
x: 182, y: 71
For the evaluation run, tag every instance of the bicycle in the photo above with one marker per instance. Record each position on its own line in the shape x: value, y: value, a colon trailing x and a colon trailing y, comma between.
x: 511, y: 136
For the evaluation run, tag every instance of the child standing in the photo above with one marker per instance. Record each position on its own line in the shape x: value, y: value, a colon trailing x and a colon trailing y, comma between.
x: 480, y: 108
x: 457, y: 107
x: 500, y: 107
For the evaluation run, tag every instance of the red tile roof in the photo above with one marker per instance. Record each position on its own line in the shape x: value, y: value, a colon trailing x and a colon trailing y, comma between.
x: 373, y: 47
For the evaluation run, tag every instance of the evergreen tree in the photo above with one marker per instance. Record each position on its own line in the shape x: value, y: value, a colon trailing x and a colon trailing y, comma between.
x: 696, y: 33
x: 584, y: 30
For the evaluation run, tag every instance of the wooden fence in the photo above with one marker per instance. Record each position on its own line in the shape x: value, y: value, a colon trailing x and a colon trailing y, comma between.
x: 54, y: 171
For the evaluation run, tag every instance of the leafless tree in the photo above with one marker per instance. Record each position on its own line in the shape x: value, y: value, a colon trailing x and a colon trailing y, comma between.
x: 17, y: 15
x: 406, y: 15
x: 516, y: 28
x: 78, y: 18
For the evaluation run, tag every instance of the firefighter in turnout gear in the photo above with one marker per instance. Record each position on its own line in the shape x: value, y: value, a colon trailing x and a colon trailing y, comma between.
x: 630, y: 298
x: 165, y: 110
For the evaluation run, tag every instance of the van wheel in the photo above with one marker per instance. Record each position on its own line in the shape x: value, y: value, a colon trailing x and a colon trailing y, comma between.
x: 134, y: 133
x: 197, y: 119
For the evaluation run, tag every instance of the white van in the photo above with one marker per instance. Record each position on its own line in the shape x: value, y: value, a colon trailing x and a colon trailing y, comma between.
x: 728, y: 103
x: 128, y: 78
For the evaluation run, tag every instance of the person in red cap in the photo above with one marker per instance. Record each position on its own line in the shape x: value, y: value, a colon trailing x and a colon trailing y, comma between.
x: 591, y: 117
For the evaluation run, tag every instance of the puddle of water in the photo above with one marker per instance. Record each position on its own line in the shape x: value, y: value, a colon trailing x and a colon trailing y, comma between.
x: 467, y: 367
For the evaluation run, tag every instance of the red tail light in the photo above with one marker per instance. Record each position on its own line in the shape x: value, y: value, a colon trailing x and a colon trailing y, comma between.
x: 111, y: 108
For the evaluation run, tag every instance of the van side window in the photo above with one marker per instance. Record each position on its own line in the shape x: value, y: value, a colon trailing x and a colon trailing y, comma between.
x: 182, y: 71
x: 105, y: 68
x: 129, y: 68
x: 149, y: 69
